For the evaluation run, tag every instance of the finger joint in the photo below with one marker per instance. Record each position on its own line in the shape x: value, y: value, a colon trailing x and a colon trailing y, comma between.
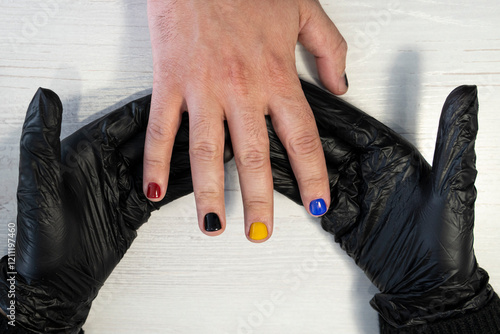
x: 306, y: 144
x: 253, y: 159
x: 205, y: 152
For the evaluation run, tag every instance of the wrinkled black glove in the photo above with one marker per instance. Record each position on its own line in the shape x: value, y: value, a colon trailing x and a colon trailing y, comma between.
x: 407, y: 225
x: 80, y: 203
x: 389, y: 211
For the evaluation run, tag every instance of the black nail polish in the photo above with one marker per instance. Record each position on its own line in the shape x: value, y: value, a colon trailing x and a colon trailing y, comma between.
x: 212, y: 222
x: 346, y: 81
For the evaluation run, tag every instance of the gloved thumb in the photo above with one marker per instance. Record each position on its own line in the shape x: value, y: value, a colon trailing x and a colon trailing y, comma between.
x: 40, y: 225
x: 320, y: 36
x: 454, y: 170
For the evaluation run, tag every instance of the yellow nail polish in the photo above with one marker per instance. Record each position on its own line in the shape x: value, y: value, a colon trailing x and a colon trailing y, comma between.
x: 258, y: 231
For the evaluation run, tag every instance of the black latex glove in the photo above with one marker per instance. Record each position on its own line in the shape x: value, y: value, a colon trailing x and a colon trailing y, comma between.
x: 80, y: 203
x: 407, y: 225
x: 390, y: 211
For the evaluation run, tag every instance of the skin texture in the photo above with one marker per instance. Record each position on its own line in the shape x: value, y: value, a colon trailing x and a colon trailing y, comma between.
x: 235, y: 60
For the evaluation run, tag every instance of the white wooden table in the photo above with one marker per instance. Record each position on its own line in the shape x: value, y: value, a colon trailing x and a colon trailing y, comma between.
x: 404, y: 58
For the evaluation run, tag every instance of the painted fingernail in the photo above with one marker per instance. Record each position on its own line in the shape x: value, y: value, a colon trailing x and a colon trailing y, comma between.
x: 258, y: 231
x: 153, y: 190
x: 317, y: 207
x: 212, y: 222
x: 343, y: 83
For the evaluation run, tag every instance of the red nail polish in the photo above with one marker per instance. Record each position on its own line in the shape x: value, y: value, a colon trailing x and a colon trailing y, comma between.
x: 153, y: 190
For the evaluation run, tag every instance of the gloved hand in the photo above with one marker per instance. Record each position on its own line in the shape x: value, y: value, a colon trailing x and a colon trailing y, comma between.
x: 80, y: 203
x: 407, y: 225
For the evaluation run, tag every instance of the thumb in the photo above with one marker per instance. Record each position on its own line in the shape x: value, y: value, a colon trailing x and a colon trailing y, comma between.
x: 320, y: 36
x: 454, y: 170
x: 41, y: 232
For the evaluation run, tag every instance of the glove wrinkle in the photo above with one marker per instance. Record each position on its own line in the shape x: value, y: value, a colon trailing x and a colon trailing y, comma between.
x: 407, y: 225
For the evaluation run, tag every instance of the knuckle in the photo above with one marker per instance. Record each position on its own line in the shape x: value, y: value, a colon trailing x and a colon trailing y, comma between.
x: 256, y: 204
x: 253, y: 159
x: 205, y: 151
x: 208, y: 195
x: 159, y: 131
x: 314, y: 182
x: 305, y: 144
x: 154, y: 162
x: 239, y: 75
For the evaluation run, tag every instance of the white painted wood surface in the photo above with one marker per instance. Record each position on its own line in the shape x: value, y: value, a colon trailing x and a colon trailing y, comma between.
x: 405, y: 57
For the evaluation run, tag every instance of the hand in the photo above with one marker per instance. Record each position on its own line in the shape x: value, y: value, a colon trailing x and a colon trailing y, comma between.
x: 408, y: 225
x: 80, y: 203
x: 235, y: 60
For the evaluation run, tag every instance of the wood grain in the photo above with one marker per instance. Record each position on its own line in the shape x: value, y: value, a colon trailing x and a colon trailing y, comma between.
x: 404, y: 58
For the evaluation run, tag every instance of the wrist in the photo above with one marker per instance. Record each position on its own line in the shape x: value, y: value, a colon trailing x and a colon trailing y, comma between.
x: 485, y: 320
x: 400, y: 310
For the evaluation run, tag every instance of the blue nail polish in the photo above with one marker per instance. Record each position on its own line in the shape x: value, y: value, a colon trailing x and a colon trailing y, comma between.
x: 317, y: 207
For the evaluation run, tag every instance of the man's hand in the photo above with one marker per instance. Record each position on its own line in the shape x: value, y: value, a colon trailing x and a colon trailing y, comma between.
x: 235, y: 60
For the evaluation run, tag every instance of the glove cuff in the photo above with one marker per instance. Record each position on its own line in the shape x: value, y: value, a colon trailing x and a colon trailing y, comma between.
x: 37, y: 310
x: 443, y: 302
x: 483, y: 321
x: 6, y: 328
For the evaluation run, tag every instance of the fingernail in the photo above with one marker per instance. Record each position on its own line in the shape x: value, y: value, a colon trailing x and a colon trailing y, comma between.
x: 212, y: 222
x: 153, y: 190
x: 317, y: 207
x: 344, y: 83
x: 258, y: 231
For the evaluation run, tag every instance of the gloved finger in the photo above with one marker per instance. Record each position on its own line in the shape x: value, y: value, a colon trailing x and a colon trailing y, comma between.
x: 454, y: 170
x: 41, y: 229
x: 125, y: 122
x: 338, y: 118
x: 119, y: 126
x: 454, y: 155
x: 345, y: 209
